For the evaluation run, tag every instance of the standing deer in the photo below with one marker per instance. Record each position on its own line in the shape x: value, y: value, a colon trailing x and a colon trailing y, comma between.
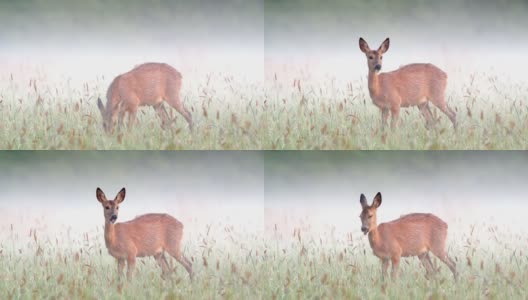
x: 410, y: 235
x: 147, y: 84
x: 146, y: 235
x: 410, y: 85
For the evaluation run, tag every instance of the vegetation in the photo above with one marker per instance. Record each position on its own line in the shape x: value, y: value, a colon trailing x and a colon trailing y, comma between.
x: 232, y: 114
x: 236, y: 265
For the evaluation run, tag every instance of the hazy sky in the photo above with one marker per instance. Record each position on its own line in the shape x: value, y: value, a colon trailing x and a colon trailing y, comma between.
x: 461, y: 37
x: 57, y: 189
x: 79, y: 42
x: 465, y: 187
x: 253, y: 190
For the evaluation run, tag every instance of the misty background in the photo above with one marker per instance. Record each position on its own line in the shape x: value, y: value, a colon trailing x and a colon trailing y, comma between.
x: 54, y: 192
x: 85, y: 44
x: 319, y: 42
x: 74, y: 43
x: 320, y: 191
x: 249, y: 193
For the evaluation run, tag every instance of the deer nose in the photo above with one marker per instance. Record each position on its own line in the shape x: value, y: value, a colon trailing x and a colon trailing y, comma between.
x: 113, y: 218
x: 364, y: 229
x: 377, y: 67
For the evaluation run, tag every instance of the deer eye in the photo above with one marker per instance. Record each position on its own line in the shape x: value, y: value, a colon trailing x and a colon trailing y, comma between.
x: 370, y: 217
x: 108, y: 207
x: 381, y: 57
x: 117, y: 208
x: 371, y: 57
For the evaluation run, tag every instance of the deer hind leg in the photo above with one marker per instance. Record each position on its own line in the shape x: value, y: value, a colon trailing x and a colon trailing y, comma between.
x: 176, y: 253
x: 439, y: 102
x: 164, y: 116
x: 426, y: 112
x: 442, y: 255
x: 450, y: 263
x: 175, y: 101
x: 164, y: 265
x: 428, y: 264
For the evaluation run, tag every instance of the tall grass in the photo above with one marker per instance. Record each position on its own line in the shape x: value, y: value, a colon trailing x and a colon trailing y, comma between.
x: 233, y: 264
x: 230, y: 113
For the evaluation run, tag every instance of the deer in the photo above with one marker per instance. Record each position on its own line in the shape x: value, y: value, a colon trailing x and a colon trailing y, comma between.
x: 414, y: 234
x: 146, y: 235
x: 149, y: 84
x: 410, y: 85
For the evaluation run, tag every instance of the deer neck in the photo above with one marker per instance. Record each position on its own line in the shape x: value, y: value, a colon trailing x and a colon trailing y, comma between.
x: 109, y: 234
x: 373, y: 84
x: 374, y: 238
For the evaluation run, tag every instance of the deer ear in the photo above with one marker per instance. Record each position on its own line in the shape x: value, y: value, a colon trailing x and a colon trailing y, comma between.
x: 377, y: 200
x: 120, y: 196
x: 384, y: 46
x: 363, y: 201
x: 363, y: 46
x: 100, y: 105
x: 100, y: 195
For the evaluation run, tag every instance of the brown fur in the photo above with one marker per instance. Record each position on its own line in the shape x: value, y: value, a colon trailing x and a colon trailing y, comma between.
x: 146, y: 235
x: 410, y: 235
x: 147, y: 84
x: 410, y: 85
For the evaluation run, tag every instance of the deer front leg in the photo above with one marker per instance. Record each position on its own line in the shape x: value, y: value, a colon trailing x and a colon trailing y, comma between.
x: 131, y: 265
x: 132, y: 118
x: 395, y: 115
x: 384, y: 117
x: 120, y: 267
x: 121, y: 119
x: 384, y: 267
x: 395, y: 264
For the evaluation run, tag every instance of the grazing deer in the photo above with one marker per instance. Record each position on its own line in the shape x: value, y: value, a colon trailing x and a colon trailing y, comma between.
x: 410, y: 85
x: 147, y: 84
x: 410, y: 235
x: 146, y: 235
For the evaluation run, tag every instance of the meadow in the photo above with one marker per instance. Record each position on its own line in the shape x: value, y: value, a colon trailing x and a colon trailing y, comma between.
x: 232, y: 264
x: 286, y: 112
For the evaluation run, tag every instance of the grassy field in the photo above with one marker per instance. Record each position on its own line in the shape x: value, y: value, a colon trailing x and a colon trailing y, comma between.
x: 281, y: 114
x: 229, y: 264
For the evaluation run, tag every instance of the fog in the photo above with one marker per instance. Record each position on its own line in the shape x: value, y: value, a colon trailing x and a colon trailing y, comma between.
x: 251, y: 193
x: 73, y: 43
x: 54, y: 192
x: 320, y: 43
x: 320, y: 191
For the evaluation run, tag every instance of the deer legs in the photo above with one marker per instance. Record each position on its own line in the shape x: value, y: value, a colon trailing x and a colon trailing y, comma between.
x: 131, y: 266
x: 162, y: 262
x: 120, y: 267
x: 164, y: 116
x: 427, y: 114
x: 176, y: 103
x: 395, y: 115
x: 384, y: 267
x: 384, y: 117
x: 428, y: 265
